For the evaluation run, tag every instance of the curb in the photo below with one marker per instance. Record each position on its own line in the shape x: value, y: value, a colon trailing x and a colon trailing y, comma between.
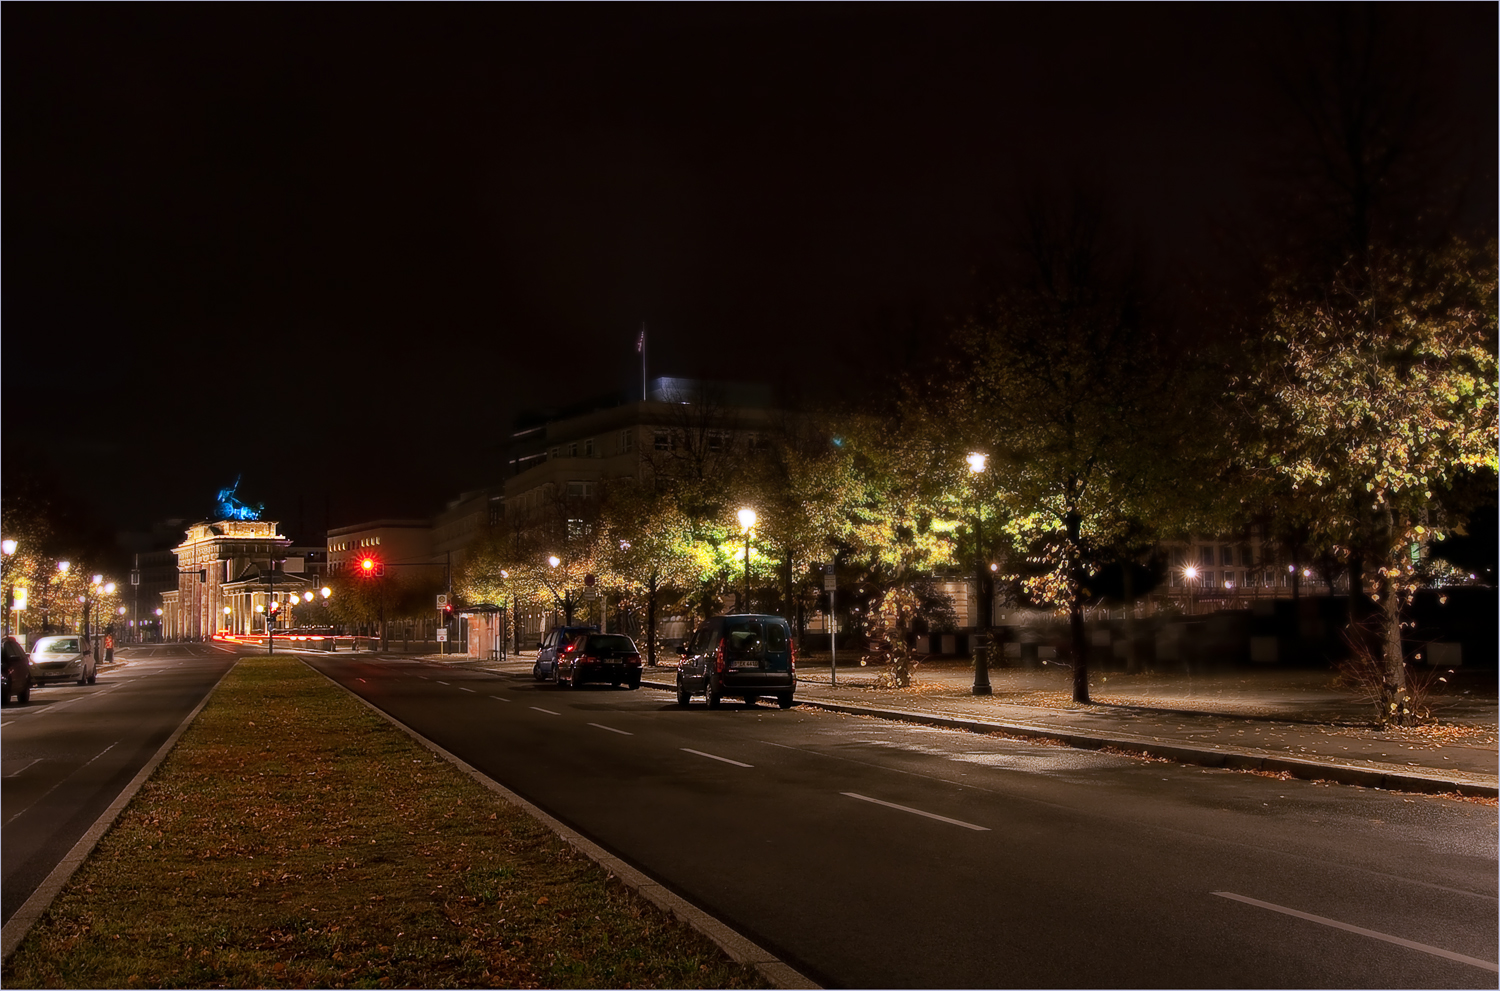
x: 736, y: 946
x: 1237, y: 760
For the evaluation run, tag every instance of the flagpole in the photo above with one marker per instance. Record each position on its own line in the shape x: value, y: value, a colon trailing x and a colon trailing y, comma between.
x: 641, y: 347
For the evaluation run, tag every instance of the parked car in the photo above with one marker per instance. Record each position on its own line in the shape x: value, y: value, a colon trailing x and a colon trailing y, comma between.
x: 17, y: 672
x: 545, y: 668
x: 746, y: 656
x: 599, y: 657
x: 64, y: 658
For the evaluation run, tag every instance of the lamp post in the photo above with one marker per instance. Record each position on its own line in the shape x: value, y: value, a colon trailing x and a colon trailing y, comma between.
x: 1190, y: 575
x: 981, y: 601
x: 8, y: 547
x: 747, y: 523
x: 566, y: 599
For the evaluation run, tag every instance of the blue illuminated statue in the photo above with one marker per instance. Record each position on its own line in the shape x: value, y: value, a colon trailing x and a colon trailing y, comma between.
x: 231, y: 508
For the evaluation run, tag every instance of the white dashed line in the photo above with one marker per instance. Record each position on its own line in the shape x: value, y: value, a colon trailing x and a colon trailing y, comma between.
x: 916, y: 812
x: 714, y: 757
x: 499, y: 699
x: 547, y: 711
x: 19, y: 770
x: 1320, y: 920
x: 613, y: 730
x: 469, y: 690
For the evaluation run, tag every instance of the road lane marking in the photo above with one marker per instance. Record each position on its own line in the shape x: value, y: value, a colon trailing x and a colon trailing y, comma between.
x: 67, y: 777
x: 619, y: 731
x: 469, y: 690
x: 445, y: 684
x: 547, y: 711
x: 1321, y: 920
x: 19, y: 770
x: 499, y: 699
x: 715, y: 757
x: 916, y: 812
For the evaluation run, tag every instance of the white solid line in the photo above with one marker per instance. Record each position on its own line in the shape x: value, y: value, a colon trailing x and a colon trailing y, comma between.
x: 713, y: 757
x: 547, y: 711
x: 18, y: 771
x: 499, y: 699
x: 613, y: 730
x: 917, y: 812
x: 1409, y: 944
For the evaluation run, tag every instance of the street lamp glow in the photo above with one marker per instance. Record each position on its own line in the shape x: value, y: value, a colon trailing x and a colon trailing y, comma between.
x: 976, y: 462
x: 306, y: 596
x: 109, y: 589
x: 98, y: 579
x: 226, y: 610
x: 747, y: 518
x: 1190, y: 572
x: 8, y: 546
x: 63, y: 566
x: 554, y: 560
x: 326, y: 591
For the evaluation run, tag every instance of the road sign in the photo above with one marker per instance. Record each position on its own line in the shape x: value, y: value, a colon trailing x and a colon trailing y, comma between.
x: 442, y: 602
x: 830, y: 581
x: 442, y: 633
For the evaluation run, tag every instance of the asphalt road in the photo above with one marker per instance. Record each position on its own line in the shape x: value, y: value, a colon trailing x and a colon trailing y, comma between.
x: 67, y: 755
x: 875, y: 854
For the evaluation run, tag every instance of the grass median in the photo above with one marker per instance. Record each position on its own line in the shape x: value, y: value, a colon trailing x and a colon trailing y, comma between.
x: 295, y: 839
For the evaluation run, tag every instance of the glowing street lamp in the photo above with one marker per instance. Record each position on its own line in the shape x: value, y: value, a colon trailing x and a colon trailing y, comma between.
x: 977, y: 464
x: 747, y: 523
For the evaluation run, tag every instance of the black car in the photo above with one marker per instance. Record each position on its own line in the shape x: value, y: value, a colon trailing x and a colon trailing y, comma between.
x: 599, y: 657
x: 545, y: 668
x: 17, y: 671
x: 746, y: 656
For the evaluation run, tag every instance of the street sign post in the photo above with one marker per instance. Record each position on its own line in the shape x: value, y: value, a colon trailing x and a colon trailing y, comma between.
x: 831, y: 583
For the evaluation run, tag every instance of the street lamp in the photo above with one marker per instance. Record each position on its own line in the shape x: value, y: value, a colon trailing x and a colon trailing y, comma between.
x: 8, y: 547
x: 747, y: 522
x: 1190, y: 575
x: 977, y: 463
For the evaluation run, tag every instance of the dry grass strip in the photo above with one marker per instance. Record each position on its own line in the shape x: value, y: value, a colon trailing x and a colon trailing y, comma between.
x: 294, y: 839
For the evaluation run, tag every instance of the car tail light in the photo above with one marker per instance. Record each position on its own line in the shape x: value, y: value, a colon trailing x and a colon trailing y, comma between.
x: 791, y: 649
x: 719, y: 657
x: 634, y: 659
x: 568, y: 649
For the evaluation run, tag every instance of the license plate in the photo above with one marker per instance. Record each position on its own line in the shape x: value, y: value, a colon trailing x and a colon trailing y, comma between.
x: 611, y: 660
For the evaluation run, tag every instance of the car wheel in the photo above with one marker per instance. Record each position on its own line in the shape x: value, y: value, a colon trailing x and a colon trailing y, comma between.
x: 784, y: 700
x: 615, y: 683
x: 24, y: 695
x: 5, y: 695
x: 93, y: 676
x: 536, y: 672
x: 682, y: 693
x: 711, y: 690
x: 633, y: 683
x: 750, y: 700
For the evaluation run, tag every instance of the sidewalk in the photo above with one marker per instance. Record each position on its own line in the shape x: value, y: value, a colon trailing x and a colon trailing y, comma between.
x: 1279, y: 721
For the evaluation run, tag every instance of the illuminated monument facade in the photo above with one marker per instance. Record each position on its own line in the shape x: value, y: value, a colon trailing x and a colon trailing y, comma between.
x: 225, y: 580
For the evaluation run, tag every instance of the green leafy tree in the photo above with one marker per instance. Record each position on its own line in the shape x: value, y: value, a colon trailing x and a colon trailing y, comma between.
x: 1381, y: 396
x: 1065, y: 383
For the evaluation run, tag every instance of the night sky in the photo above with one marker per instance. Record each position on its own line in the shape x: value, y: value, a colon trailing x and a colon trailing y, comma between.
x: 336, y: 249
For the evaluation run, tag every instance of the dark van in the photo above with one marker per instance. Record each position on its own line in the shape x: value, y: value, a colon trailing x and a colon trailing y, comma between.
x: 742, y: 656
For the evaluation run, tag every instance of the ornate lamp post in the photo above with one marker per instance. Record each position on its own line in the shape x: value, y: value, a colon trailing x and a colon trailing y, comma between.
x: 747, y: 523
x: 8, y: 547
x: 981, y: 662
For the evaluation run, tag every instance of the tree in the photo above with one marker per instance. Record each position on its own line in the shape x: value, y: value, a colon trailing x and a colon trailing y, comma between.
x: 1382, y: 396
x: 1064, y: 382
x: 646, y: 549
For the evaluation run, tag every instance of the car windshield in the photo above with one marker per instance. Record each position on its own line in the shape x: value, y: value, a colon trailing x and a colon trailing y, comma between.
x: 58, y: 645
x: 609, y: 643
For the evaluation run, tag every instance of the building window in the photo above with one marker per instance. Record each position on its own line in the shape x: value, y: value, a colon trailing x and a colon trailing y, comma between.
x: 627, y: 441
x: 578, y: 529
x: 718, y: 441
x: 662, y: 440
x: 580, y: 490
x: 1228, y: 554
x: 1206, y: 556
x: 573, y: 449
x: 588, y: 448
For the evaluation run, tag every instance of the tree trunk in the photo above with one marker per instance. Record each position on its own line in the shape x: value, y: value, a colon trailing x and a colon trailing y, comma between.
x: 651, y: 625
x: 1075, y: 609
x: 1395, y: 704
